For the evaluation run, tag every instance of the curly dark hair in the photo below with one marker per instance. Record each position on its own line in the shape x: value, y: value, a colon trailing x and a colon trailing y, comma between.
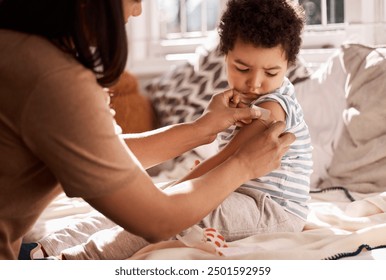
x: 263, y: 23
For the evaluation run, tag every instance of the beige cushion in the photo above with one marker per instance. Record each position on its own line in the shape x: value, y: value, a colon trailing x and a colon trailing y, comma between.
x: 359, y: 161
x: 322, y: 98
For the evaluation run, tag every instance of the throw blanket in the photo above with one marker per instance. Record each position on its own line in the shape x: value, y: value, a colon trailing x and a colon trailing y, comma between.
x: 340, y: 224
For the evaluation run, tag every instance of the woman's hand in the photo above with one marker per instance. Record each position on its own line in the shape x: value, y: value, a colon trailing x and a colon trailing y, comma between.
x: 263, y: 152
x: 223, y: 111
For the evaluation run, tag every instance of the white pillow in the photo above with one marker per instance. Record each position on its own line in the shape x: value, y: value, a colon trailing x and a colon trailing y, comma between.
x: 322, y: 98
x: 359, y: 162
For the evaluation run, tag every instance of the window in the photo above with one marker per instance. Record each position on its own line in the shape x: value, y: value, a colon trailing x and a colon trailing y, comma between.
x: 183, y: 25
x: 195, y: 18
x: 169, y: 31
x: 325, y: 23
x: 187, y: 18
x: 323, y: 12
x: 184, y: 19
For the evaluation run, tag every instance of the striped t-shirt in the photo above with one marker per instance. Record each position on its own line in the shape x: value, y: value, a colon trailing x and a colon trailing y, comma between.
x: 290, y: 184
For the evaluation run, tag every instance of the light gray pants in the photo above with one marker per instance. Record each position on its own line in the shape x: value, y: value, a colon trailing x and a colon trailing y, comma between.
x: 244, y: 213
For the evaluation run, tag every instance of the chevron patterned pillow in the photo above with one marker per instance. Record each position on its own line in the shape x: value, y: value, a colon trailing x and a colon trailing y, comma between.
x: 183, y: 93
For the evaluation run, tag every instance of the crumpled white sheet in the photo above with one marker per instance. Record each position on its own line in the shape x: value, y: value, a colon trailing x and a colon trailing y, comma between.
x: 336, y: 227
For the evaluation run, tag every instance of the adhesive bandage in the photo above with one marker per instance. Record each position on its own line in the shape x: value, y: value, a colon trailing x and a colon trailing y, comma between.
x: 264, y: 112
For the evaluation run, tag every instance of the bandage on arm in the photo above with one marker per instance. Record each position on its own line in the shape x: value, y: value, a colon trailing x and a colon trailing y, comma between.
x: 265, y: 113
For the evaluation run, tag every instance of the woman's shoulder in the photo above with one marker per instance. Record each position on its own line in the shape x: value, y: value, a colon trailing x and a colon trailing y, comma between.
x: 37, y: 62
x: 14, y: 40
x: 33, y: 53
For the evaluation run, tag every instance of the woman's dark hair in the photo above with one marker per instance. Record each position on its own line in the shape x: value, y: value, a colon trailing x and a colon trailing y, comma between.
x: 92, y: 30
x: 263, y: 23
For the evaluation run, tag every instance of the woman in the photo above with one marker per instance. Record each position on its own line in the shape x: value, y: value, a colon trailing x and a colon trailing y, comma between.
x: 57, y: 132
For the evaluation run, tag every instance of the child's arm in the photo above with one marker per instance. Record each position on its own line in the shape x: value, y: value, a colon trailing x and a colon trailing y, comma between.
x: 257, y: 126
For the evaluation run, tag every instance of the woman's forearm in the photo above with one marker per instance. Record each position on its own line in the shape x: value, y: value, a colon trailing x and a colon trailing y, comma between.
x: 154, y: 147
x: 147, y: 211
x: 203, y: 167
x: 157, y: 146
x: 157, y: 215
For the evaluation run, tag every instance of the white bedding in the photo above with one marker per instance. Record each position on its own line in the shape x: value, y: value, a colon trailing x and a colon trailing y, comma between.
x: 337, y: 228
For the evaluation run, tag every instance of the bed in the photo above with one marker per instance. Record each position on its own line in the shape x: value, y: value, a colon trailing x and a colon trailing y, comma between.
x: 343, y: 102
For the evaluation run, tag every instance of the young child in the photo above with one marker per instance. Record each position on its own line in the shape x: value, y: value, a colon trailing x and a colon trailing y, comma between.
x: 259, y: 39
x: 258, y: 47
